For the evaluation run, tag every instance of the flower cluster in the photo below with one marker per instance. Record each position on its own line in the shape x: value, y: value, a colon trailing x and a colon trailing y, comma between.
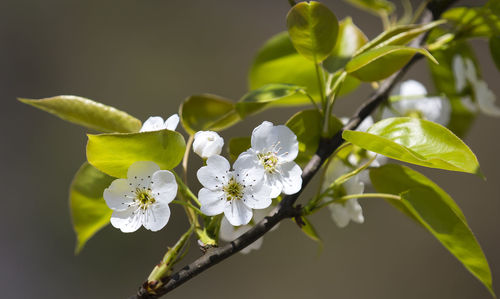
x: 466, y: 78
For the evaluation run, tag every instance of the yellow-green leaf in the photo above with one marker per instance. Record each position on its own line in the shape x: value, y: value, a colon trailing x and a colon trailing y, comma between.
x: 88, y: 208
x: 87, y: 113
x: 114, y: 153
x: 416, y: 141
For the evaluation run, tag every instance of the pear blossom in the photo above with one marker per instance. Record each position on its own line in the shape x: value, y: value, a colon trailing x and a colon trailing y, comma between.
x: 273, y: 151
x: 234, y: 193
x: 415, y: 102
x: 207, y: 144
x: 142, y: 198
x: 349, y: 210
x: 465, y: 75
x: 156, y: 123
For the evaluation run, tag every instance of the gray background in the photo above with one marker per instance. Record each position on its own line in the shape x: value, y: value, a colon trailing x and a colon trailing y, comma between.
x: 145, y: 57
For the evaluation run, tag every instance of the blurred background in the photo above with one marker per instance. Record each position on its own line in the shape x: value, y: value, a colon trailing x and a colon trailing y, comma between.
x: 145, y: 57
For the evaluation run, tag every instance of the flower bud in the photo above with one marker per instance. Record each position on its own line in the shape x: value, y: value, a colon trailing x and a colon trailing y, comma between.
x: 207, y: 144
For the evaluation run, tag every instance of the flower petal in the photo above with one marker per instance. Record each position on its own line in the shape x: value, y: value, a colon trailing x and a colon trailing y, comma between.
x: 119, y: 194
x: 140, y: 172
x: 486, y: 99
x: 154, y: 123
x: 127, y: 221
x: 157, y: 216
x: 172, y: 122
x: 273, y: 181
x: 163, y: 186
x: 281, y: 139
x: 291, y: 178
x: 339, y: 214
x: 212, y: 202
x: 215, y: 174
x: 238, y: 213
x: 257, y: 196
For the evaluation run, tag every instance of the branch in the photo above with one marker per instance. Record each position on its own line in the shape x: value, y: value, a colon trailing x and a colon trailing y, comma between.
x: 286, y: 208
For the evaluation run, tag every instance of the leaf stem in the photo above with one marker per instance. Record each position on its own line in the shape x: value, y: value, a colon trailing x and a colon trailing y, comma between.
x: 185, y: 159
x: 320, y: 85
x: 351, y: 196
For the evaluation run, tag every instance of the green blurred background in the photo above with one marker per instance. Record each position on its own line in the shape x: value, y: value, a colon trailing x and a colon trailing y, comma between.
x: 145, y: 57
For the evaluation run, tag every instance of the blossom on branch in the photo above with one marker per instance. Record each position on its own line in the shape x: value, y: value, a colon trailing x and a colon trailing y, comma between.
x: 156, y: 123
x: 273, y: 151
x: 142, y: 198
x: 207, y: 144
x: 234, y: 193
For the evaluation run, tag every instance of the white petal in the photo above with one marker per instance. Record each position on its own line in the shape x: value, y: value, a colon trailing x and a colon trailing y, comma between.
x: 387, y: 113
x: 154, y: 123
x: 410, y: 88
x: 470, y: 70
x: 212, y: 202
x: 127, y: 221
x: 164, y: 186
x: 281, y: 139
x: 291, y: 178
x: 339, y: 214
x: 142, y: 171
x: 215, y: 174
x: 172, y: 122
x: 237, y: 213
x: 207, y: 144
x: 257, y: 196
x: 459, y: 73
x: 355, y: 211
x: 273, y: 181
x: 247, y: 168
x: 468, y: 104
x: 486, y: 99
x: 157, y: 217
x: 227, y: 231
x: 119, y: 194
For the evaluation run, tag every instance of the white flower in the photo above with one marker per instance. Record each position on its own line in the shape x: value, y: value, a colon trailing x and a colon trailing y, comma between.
x: 142, y: 198
x: 273, y: 150
x: 414, y: 102
x: 207, y: 144
x: 229, y: 233
x: 155, y: 123
x: 465, y: 75
x: 234, y: 193
x: 350, y: 210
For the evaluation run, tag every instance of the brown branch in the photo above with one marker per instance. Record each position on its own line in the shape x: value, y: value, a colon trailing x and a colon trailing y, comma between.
x: 286, y: 208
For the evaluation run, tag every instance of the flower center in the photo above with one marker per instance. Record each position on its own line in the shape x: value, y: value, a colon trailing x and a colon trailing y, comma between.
x: 144, y: 198
x: 233, y: 190
x: 269, y: 160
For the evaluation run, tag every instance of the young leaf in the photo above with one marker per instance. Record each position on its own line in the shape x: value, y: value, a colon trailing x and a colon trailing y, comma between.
x: 398, y: 35
x: 87, y: 113
x: 207, y: 112
x: 380, y: 63
x: 267, y: 96
x: 376, y: 7
x: 416, y: 141
x: 495, y: 50
x: 307, y: 125
x: 238, y: 145
x: 114, y: 153
x: 350, y: 39
x: 307, y: 228
x: 88, y: 208
x: 313, y: 29
x: 432, y: 208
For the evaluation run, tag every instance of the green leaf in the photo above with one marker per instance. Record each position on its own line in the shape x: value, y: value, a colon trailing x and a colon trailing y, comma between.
x: 238, y: 145
x: 307, y: 125
x: 380, y: 63
x: 473, y: 21
x: 87, y: 113
x: 399, y: 35
x: 416, y: 141
x: 495, y: 50
x: 313, y: 29
x: 376, y: 7
x: 461, y: 118
x: 350, y: 39
x: 88, y: 208
x: 306, y: 226
x: 267, y: 96
x: 435, y: 210
x: 207, y: 112
x: 114, y: 153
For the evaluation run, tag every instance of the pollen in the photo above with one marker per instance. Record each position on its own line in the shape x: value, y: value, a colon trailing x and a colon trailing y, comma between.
x: 233, y: 190
x: 269, y: 160
x: 144, y: 198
